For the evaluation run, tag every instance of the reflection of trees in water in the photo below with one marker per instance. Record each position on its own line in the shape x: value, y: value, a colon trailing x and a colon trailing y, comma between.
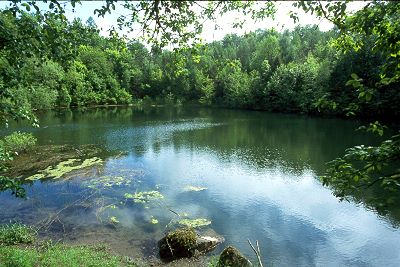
x: 384, y: 202
x: 298, y: 141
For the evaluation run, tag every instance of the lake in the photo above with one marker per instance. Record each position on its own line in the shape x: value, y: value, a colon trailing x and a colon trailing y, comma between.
x: 255, y: 174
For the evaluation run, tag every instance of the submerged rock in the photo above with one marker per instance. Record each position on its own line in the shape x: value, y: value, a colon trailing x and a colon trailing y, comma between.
x: 194, y: 223
x: 144, y: 197
x: 46, y: 158
x: 185, y: 243
x: 194, y: 188
x: 205, y: 244
x: 232, y: 257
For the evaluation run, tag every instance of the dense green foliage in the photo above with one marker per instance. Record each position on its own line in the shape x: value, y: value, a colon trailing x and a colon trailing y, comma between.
x: 291, y: 71
x: 372, y: 32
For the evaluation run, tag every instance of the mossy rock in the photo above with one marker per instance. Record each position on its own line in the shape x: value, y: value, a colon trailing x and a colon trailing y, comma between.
x: 180, y: 243
x: 231, y: 257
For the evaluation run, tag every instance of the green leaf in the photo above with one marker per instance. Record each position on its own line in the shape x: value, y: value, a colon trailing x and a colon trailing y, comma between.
x: 354, y: 76
x: 27, y: 6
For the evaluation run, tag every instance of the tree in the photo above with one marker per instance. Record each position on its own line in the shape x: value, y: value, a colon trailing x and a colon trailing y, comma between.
x: 364, y: 167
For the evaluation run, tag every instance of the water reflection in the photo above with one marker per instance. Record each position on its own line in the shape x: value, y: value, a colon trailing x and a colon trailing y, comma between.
x: 259, y: 170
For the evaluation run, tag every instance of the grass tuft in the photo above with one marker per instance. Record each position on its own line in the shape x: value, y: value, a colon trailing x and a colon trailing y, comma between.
x: 13, y: 234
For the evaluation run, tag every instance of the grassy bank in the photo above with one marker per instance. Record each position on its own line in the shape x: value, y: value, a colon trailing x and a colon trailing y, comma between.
x: 19, y: 247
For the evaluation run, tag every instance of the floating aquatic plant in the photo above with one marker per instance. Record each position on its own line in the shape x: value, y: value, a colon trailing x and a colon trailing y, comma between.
x: 144, y: 197
x: 108, y: 181
x: 64, y: 168
x: 195, y: 188
x: 194, y: 223
x: 114, y: 220
x: 153, y: 220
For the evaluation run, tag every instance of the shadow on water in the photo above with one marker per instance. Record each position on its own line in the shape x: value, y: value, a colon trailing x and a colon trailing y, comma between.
x: 258, y: 170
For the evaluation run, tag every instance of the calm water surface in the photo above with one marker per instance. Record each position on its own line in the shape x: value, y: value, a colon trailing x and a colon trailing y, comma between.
x: 259, y: 170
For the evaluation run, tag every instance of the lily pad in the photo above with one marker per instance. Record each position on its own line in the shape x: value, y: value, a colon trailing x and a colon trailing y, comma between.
x: 195, y: 188
x: 144, y: 197
x: 194, y: 223
x: 64, y: 168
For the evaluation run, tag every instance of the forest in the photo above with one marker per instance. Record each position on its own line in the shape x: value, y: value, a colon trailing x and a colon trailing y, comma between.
x: 352, y: 72
x: 299, y: 71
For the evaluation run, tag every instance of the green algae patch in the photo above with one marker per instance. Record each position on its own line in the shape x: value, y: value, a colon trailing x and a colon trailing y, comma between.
x: 194, y: 188
x: 153, y: 220
x: 194, y: 223
x: 112, y: 206
x: 45, y: 156
x: 114, y: 220
x: 108, y: 182
x: 144, y: 197
x: 64, y: 168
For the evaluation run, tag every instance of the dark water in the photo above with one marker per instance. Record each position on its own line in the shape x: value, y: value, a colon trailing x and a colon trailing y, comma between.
x: 259, y: 170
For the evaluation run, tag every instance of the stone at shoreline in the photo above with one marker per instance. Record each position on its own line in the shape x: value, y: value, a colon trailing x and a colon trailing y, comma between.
x: 205, y: 244
x: 232, y: 257
x: 185, y: 243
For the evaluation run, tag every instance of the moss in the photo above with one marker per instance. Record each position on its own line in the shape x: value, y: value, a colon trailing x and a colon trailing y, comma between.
x: 194, y: 223
x: 232, y: 257
x: 213, y: 262
x: 12, y: 234
x: 178, y: 244
x: 144, y: 197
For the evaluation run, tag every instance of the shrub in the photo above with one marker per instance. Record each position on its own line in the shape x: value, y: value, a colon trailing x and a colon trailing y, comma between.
x: 42, y: 97
x: 18, y: 142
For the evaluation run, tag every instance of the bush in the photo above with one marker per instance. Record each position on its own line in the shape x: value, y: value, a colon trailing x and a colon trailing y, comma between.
x: 18, y: 142
x: 295, y: 87
x: 12, y: 234
x: 42, y: 97
x: 123, y: 97
x: 64, y: 98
